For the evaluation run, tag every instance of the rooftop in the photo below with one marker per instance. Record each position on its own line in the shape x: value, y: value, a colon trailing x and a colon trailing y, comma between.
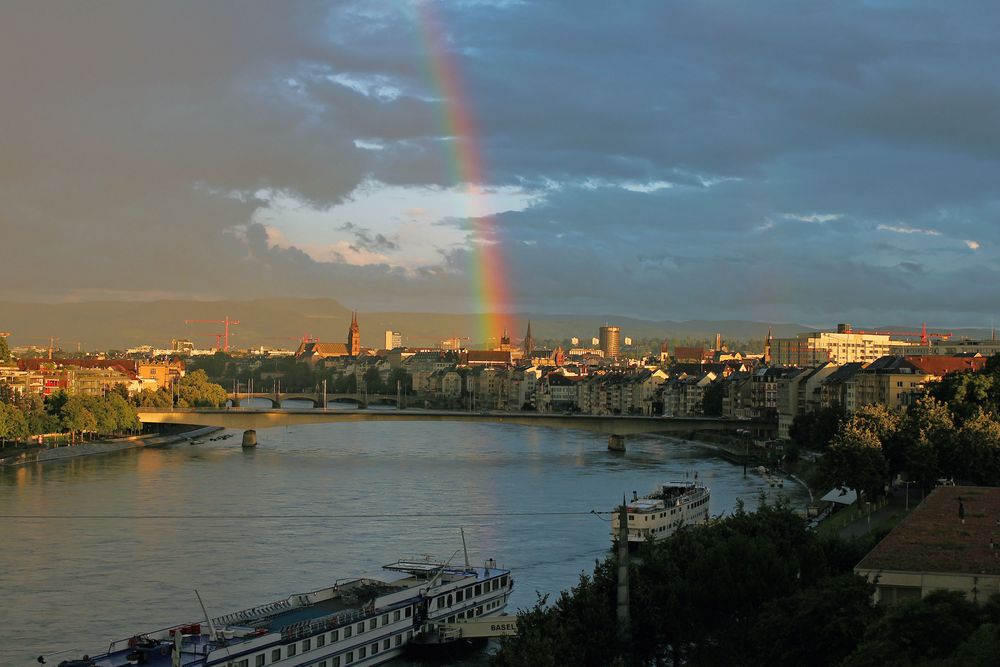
x: 933, y: 538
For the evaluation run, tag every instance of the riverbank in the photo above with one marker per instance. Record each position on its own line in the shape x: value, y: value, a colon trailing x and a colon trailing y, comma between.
x: 48, y: 454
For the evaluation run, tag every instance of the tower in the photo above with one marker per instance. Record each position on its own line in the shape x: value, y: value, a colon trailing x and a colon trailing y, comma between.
x: 610, y: 341
x: 354, y: 337
x: 505, y: 341
x: 767, y: 347
x: 529, y: 342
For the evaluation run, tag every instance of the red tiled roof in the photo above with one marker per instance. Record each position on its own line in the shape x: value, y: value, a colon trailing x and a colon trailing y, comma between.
x: 941, y: 365
x: 933, y: 538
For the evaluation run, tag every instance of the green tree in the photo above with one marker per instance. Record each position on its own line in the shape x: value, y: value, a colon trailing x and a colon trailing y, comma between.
x: 923, y: 436
x: 195, y: 391
x: 5, y: 357
x: 154, y: 398
x: 855, y: 460
x: 76, y: 418
x: 373, y: 381
x: 918, y: 631
x: 13, y: 426
x: 975, y: 452
x: 711, y: 400
x: 814, y: 430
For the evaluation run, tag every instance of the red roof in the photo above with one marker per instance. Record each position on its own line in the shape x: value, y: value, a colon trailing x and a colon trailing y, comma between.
x: 941, y: 365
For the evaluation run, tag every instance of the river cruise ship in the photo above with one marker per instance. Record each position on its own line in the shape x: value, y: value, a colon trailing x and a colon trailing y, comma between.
x: 660, y: 513
x: 358, y: 622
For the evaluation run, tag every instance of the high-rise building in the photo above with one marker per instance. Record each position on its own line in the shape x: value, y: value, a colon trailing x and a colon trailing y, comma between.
x: 817, y: 347
x: 354, y: 337
x: 610, y: 340
x: 393, y: 339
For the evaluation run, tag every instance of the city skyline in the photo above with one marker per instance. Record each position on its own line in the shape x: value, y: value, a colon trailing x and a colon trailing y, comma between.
x: 815, y: 164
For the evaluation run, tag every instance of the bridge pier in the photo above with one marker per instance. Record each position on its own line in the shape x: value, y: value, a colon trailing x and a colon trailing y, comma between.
x: 616, y: 443
x: 250, y: 438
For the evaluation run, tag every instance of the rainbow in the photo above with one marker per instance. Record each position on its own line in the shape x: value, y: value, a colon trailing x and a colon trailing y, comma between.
x: 487, y: 265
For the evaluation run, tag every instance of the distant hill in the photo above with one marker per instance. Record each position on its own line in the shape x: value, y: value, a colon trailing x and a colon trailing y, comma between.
x: 278, y: 322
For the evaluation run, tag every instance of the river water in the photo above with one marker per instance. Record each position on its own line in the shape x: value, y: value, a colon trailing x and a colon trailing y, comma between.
x: 127, y: 537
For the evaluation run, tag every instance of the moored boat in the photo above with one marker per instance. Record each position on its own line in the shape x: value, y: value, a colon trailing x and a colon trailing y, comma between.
x: 360, y: 622
x: 659, y: 514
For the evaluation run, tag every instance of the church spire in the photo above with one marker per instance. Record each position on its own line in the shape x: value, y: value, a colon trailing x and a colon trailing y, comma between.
x: 354, y: 336
x: 529, y: 342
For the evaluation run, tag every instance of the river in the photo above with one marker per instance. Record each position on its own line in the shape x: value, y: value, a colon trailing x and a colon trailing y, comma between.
x: 127, y: 537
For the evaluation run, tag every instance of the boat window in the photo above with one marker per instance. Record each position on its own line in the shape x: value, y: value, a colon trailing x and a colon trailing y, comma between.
x: 322, y: 663
x: 361, y: 627
x: 292, y: 648
x: 372, y: 624
x: 399, y: 639
x: 387, y: 644
x: 362, y: 652
x: 347, y: 631
x: 349, y: 658
x: 503, y: 581
x: 335, y: 662
x: 409, y: 635
x: 451, y: 619
x: 276, y: 655
x: 335, y: 636
x: 321, y: 641
x: 479, y: 589
x: 450, y: 602
x: 395, y: 615
x: 259, y: 662
x: 385, y: 619
x: 374, y: 648
x: 306, y: 644
x: 459, y: 596
x: 409, y: 612
x: 440, y: 603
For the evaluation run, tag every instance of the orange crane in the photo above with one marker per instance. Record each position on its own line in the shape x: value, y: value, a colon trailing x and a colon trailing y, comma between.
x: 52, y: 342
x: 227, y: 322
x: 925, y: 336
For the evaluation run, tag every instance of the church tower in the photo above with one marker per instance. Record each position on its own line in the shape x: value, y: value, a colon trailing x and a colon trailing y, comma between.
x: 529, y: 342
x: 354, y: 337
x: 767, y: 347
x: 505, y: 341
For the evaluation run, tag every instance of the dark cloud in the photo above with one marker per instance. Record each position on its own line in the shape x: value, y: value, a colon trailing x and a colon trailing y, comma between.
x: 817, y: 161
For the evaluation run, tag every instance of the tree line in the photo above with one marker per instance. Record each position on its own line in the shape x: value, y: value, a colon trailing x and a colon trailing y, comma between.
x: 951, y: 433
x: 754, y: 588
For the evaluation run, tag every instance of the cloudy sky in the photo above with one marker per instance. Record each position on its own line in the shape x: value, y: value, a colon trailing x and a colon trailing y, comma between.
x: 794, y: 161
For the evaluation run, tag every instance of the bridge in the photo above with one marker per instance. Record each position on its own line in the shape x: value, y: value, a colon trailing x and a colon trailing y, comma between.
x: 316, y: 398
x: 615, y: 427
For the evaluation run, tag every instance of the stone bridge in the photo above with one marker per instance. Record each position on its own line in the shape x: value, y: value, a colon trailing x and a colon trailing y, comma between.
x: 615, y: 427
x: 315, y: 397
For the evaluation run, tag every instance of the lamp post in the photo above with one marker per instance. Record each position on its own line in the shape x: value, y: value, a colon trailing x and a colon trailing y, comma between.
x: 324, y: 395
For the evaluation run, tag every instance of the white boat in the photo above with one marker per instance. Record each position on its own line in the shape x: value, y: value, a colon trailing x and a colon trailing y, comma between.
x: 359, y: 622
x: 659, y: 514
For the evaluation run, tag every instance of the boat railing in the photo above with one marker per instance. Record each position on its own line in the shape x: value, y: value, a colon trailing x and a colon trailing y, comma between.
x: 252, y: 614
x: 316, y: 625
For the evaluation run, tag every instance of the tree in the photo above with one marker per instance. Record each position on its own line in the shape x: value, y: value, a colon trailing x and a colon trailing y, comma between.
x: 150, y: 398
x: 975, y: 452
x: 5, y: 357
x: 814, y: 430
x: 855, y: 460
x: 373, y: 381
x: 711, y: 400
x: 76, y: 418
x: 195, y: 391
x: 923, y: 437
x: 12, y: 424
x: 918, y: 631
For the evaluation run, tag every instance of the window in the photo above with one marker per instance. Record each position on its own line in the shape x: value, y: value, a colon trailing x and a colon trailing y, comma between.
x: 372, y: 624
x: 259, y: 662
x: 386, y: 645
x: 374, y: 648
x: 385, y: 619
x: 395, y: 615
x: 361, y: 627
x: 335, y: 636
x: 399, y: 639
x: 335, y: 662
x: 276, y: 655
x: 322, y: 663
x: 306, y: 645
x: 441, y: 602
x: 458, y: 596
x: 349, y: 658
x: 321, y: 641
x: 479, y: 589
x: 291, y: 650
x: 243, y: 663
x: 362, y: 652
x: 409, y: 612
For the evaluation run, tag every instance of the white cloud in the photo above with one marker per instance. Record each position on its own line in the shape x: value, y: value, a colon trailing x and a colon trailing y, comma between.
x: 813, y: 217
x: 906, y: 229
x: 649, y: 186
x: 972, y: 245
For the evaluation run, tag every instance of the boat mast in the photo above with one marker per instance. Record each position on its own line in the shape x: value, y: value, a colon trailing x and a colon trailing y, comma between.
x: 211, y: 626
x: 464, y: 548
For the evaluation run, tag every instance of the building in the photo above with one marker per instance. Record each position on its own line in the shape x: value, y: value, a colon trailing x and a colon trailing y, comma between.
x: 160, y: 373
x: 799, y: 392
x: 354, y: 337
x: 843, y: 347
x: 951, y: 542
x: 610, y: 341
x: 393, y: 340
x: 986, y: 348
x: 529, y: 343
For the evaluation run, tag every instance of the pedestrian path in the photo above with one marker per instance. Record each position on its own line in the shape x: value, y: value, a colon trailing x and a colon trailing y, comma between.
x: 868, y: 523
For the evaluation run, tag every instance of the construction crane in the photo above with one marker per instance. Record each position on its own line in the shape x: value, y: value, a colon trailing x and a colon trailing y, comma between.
x: 923, y: 334
x: 52, y: 342
x: 225, y: 336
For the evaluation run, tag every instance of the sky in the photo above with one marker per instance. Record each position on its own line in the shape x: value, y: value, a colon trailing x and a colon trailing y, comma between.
x: 796, y: 161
